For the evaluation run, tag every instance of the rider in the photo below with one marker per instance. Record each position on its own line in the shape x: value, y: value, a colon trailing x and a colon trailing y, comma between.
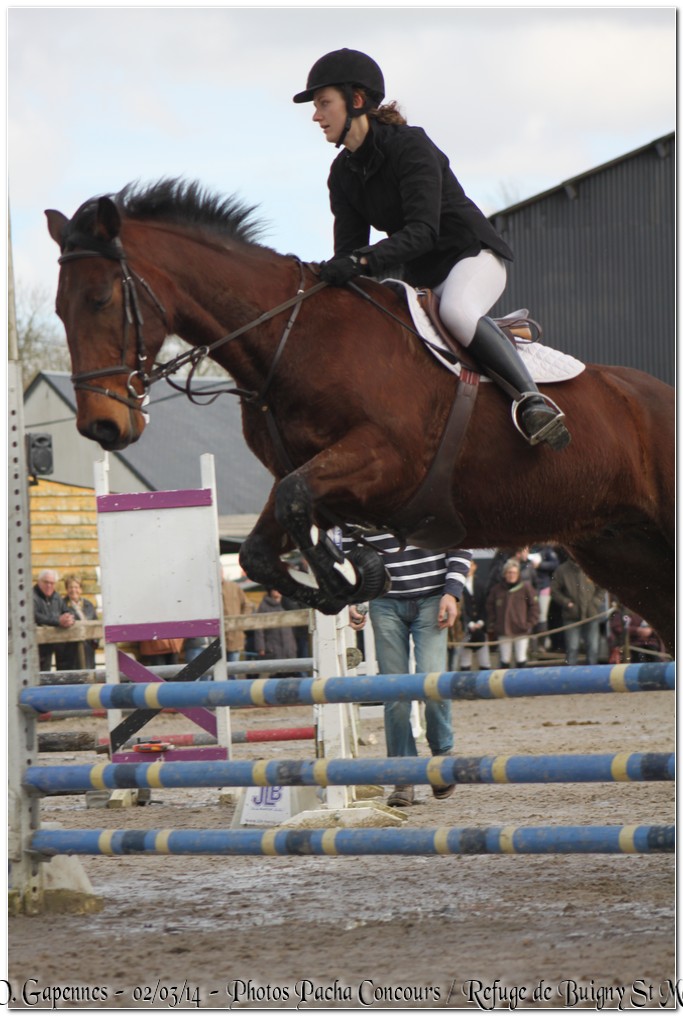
x: 392, y: 177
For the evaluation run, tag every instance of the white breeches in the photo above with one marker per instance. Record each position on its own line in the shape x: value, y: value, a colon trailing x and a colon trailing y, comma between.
x: 509, y: 647
x: 469, y: 291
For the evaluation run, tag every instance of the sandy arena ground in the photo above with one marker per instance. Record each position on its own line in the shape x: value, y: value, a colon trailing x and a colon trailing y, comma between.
x: 380, y: 932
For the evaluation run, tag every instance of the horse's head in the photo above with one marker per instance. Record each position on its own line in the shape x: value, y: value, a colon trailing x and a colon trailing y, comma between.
x: 101, y: 308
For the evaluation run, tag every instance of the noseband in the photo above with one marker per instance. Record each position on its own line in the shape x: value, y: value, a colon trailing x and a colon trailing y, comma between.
x: 132, y: 317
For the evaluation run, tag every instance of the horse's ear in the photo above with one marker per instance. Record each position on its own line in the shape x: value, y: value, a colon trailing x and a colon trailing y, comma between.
x: 108, y: 220
x: 56, y: 221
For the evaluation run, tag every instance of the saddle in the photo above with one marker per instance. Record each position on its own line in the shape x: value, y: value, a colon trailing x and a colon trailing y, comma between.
x: 517, y: 325
x: 429, y: 518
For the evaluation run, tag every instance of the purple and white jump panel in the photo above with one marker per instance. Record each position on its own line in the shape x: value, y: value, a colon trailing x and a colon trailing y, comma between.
x: 156, y: 554
x: 160, y: 571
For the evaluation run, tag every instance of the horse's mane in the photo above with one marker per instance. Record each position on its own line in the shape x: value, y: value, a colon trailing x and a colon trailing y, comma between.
x: 183, y: 203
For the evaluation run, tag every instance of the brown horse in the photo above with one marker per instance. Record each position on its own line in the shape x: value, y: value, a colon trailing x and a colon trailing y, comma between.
x: 346, y: 409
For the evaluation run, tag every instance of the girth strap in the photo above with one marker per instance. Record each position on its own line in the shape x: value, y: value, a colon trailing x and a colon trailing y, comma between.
x: 430, y: 519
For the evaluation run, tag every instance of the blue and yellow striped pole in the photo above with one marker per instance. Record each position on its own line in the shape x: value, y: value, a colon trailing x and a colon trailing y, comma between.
x: 486, y: 684
x: 336, y: 842
x: 437, y: 771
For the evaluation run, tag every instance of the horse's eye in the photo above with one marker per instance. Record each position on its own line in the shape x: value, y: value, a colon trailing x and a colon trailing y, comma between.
x: 100, y: 300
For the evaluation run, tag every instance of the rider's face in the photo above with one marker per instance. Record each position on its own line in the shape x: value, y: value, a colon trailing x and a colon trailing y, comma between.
x: 330, y: 112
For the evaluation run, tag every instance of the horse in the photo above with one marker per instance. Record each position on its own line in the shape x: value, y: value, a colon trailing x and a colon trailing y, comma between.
x: 345, y: 407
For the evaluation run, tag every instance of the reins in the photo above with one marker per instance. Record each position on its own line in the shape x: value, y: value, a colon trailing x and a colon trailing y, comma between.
x: 255, y: 399
x: 133, y: 316
x: 195, y: 356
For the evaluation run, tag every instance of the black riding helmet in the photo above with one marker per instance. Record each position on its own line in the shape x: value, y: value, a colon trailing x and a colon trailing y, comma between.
x: 346, y: 69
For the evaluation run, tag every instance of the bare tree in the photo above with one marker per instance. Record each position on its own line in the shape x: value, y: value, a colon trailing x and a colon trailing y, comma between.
x: 42, y: 342
x: 40, y: 336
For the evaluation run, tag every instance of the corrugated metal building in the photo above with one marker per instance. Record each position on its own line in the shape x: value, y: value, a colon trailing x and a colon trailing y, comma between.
x: 595, y: 261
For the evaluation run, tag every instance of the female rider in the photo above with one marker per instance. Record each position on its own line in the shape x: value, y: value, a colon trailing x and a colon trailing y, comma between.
x: 392, y: 177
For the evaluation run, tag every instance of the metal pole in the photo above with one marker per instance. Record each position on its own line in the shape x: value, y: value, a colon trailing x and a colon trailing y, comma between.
x: 28, y: 883
x: 24, y: 815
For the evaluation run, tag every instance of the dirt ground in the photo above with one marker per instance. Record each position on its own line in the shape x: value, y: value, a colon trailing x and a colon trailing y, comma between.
x: 379, y: 932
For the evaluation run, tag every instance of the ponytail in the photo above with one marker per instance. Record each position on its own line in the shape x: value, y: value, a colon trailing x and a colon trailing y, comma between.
x: 388, y: 113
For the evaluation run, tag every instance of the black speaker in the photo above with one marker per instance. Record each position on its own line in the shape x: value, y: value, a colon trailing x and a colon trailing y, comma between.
x: 39, y: 461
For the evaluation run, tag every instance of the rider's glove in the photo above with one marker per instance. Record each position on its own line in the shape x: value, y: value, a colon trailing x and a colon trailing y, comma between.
x: 339, y: 271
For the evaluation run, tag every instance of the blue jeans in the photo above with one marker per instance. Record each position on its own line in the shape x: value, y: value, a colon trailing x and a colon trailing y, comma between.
x: 590, y: 633
x: 394, y: 621
x: 192, y: 654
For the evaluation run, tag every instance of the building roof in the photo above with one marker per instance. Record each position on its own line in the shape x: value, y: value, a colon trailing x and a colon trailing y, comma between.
x: 179, y: 432
x: 661, y: 145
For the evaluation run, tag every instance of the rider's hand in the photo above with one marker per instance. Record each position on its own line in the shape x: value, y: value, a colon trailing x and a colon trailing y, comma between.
x: 339, y: 271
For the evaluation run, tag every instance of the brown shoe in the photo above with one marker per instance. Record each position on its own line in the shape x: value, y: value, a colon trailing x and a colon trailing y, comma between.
x: 402, y: 797
x: 441, y: 793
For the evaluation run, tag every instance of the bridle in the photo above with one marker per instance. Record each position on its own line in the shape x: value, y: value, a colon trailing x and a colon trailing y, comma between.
x: 133, y: 317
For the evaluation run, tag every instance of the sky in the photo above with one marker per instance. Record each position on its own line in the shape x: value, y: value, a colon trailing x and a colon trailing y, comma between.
x: 520, y: 99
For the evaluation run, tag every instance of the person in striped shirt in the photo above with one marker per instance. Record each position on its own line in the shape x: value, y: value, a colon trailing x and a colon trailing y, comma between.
x: 422, y: 604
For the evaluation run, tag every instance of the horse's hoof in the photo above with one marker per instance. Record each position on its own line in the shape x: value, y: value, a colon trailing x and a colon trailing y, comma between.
x: 330, y: 605
x: 373, y: 577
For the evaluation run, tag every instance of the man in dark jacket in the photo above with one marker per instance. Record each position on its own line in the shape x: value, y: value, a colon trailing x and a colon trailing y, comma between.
x: 50, y: 611
x: 580, y: 600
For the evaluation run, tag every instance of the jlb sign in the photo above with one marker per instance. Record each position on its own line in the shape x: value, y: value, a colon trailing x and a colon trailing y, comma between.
x: 266, y: 805
x: 269, y: 806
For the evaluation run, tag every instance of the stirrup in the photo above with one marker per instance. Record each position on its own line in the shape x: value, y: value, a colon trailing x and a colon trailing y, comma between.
x: 545, y: 432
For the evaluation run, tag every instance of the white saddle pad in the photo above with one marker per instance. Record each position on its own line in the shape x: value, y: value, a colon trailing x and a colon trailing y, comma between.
x: 545, y: 365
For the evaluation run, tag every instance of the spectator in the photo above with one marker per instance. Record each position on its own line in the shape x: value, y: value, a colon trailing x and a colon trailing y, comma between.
x: 301, y: 633
x: 235, y: 604
x: 160, y: 652
x: 580, y: 601
x: 498, y: 562
x: 473, y: 613
x: 512, y: 612
x: 274, y: 643
x: 422, y: 604
x: 527, y: 566
x: 629, y: 634
x: 77, y: 655
x: 50, y: 611
x: 545, y: 561
x: 194, y: 646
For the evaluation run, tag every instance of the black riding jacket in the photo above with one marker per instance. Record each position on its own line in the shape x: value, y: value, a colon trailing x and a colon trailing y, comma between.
x: 401, y: 184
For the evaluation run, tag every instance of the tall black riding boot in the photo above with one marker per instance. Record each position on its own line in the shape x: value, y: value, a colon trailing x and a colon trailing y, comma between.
x: 541, y: 418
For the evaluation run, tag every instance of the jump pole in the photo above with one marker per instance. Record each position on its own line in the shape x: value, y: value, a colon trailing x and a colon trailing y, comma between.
x: 354, y: 842
x: 437, y: 771
x: 335, y: 735
x: 487, y: 684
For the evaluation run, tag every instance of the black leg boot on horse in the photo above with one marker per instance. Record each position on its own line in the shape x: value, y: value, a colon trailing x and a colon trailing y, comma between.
x: 541, y: 420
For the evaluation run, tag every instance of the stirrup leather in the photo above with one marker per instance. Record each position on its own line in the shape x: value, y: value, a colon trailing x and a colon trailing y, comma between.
x: 545, y: 432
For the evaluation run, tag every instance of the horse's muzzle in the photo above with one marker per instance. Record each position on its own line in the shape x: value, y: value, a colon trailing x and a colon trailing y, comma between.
x: 108, y: 435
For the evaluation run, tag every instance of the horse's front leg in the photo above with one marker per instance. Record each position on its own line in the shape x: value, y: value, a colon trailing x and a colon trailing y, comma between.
x: 261, y: 557
x: 261, y: 553
x: 358, y: 469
